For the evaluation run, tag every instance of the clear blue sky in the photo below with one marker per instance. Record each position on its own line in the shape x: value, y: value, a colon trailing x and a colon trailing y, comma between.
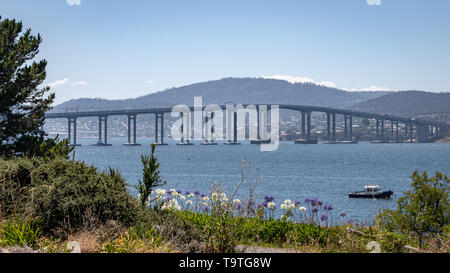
x: 120, y: 49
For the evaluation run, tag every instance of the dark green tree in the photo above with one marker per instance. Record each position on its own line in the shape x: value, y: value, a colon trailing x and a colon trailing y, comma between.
x: 150, y: 176
x: 423, y: 210
x: 23, y: 102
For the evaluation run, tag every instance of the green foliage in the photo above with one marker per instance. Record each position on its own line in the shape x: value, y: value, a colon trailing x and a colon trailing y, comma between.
x: 62, y: 195
x: 423, y: 210
x: 23, y: 103
x: 150, y: 176
x: 136, y: 239
x: 17, y: 233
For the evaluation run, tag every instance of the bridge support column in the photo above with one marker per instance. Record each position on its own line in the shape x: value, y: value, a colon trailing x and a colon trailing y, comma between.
x: 422, y: 133
x: 308, y: 133
x: 405, y: 139
x: 72, y: 139
x: 397, y: 134
x: 159, y: 140
x: 378, y: 129
x: 328, y: 127
x: 333, y: 127
x: 350, y: 128
x: 345, y: 127
x: 102, y: 121
x: 131, y: 118
x: 209, y: 130
x: 392, y: 130
x: 303, y: 125
x: 232, y: 116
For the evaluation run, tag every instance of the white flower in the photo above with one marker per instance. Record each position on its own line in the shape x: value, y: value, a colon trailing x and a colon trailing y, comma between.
x: 206, y: 198
x: 271, y: 205
x: 214, y: 197
x: 291, y: 207
x: 191, y: 195
x: 160, y: 192
x: 283, y: 206
x: 223, y: 195
x: 204, y: 204
x: 182, y: 197
x: 302, y: 209
x: 189, y: 202
x: 236, y: 201
x: 225, y: 199
x: 171, y: 204
x: 287, y: 201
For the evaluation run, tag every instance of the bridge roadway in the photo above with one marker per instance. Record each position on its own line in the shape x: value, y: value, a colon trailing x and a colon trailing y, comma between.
x: 425, y: 129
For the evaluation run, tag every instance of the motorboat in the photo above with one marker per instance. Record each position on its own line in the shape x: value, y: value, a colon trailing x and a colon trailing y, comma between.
x: 371, y: 191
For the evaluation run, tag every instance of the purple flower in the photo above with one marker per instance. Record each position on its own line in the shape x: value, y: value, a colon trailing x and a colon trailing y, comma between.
x: 207, y: 208
x: 297, y: 203
x: 239, y: 206
x: 268, y: 198
x: 307, y: 200
x: 187, y: 192
x: 315, y: 209
x: 196, y: 192
x: 342, y: 214
x: 264, y: 204
x: 202, y: 195
x: 328, y: 207
x: 179, y: 191
x: 350, y: 221
x: 323, y: 217
x: 169, y: 192
x: 168, y: 198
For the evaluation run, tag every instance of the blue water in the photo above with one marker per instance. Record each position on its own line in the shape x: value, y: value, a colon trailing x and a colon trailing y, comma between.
x: 293, y: 172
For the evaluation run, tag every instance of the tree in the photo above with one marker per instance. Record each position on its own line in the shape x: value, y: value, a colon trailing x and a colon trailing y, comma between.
x: 424, y: 209
x: 150, y: 176
x: 22, y: 101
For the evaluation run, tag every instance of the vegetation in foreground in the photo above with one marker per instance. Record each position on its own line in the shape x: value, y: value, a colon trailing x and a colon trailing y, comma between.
x: 48, y: 201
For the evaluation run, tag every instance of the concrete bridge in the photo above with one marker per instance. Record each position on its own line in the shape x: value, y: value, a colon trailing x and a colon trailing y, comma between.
x: 387, y: 126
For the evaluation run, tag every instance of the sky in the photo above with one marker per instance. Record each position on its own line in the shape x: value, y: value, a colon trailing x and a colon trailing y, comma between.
x: 118, y: 49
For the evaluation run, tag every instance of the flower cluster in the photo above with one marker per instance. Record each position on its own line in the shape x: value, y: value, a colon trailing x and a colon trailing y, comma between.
x: 311, y: 210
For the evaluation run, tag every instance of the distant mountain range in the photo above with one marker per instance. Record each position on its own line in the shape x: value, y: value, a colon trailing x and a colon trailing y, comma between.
x: 271, y: 91
x: 408, y: 104
x: 237, y: 90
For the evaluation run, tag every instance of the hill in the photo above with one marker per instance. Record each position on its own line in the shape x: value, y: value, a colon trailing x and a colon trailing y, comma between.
x: 238, y: 90
x: 408, y: 103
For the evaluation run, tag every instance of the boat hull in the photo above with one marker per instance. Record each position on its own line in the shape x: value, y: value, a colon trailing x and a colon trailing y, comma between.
x: 365, y: 194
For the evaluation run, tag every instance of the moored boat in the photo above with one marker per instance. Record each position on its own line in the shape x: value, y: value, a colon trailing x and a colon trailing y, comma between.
x: 371, y: 191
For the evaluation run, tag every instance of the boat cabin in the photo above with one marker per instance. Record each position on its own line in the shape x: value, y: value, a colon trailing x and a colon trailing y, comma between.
x: 372, y: 188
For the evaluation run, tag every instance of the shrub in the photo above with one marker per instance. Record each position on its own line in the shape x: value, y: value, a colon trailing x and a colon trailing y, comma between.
x: 423, y: 210
x: 62, y: 195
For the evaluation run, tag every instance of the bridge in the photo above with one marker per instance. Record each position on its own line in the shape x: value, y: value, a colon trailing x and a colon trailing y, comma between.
x: 387, y: 126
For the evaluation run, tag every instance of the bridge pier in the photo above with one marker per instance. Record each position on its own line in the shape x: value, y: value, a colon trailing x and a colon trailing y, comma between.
x: 130, y: 143
x: 397, y: 135
x: 306, y: 130
x: 234, y: 142
x: 102, y: 121
x: 182, y: 142
x: 331, y: 139
x: 72, y: 139
x: 159, y: 116
x: 209, y: 131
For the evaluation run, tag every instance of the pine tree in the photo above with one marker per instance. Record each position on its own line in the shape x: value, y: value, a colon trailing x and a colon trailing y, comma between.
x: 150, y: 176
x: 22, y: 99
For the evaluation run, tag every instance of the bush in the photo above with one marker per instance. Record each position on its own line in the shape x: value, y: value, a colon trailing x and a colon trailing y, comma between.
x: 62, y: 195
x: 423, y: 210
